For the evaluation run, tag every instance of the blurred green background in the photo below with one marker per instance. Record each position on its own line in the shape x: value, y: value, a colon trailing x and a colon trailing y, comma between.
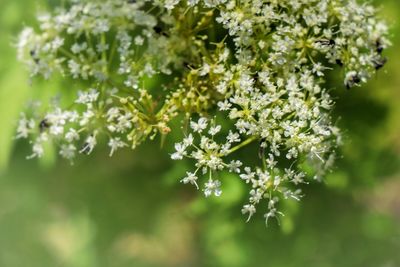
x: 130, y: 210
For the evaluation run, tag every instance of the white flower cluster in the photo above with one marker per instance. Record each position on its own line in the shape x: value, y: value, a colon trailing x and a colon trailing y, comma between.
x: 259, y: 65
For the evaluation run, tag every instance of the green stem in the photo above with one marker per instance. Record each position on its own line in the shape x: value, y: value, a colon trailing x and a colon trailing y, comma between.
x: 68, y: 54
x: 112, y: 52
x: 103, y: 42
x: 264, y: 163
x: 242, y: 144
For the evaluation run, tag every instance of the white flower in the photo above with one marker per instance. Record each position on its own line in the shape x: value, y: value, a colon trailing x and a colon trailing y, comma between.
x: 248, y: 176
x: 71, y: 135
x: 89, y: 144
x: 25, y: 126
x: 214, y: 130
x: 199, y: 126
x: 214, y: 162
x: 86, y: 117
x: 272, y: 213
x: 190, y: 178
x: 188, y: 140
x: 115, y: 143
x: 87, y: 97
x: 68, y: 151
x: 318, y: 68
x: 57, y: 43
x: 205, y: 70
x: 249, y: 209
x: 212, y: 187
x: 233, y: 137
x: 25, y: 39
x: 77, y: 48
x: 224, y: 105
x: 180, y: 151
x: 37, y: 149
x: 170, y: 4
x: 139, y: 40
x: 234, y: 166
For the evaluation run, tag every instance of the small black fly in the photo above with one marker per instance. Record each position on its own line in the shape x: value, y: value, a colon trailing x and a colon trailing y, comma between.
x: 34, y: 56
x: 43, y: 125
x: 159, y: 30
x: 339, y: 62
x: 85, y: 149
x: 379, y: 63
x: 353, y: 80
x: 379, y: 46
x: 326, y: 42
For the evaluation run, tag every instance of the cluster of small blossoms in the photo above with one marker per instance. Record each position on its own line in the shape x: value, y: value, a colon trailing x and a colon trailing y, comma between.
x: 260, y: 65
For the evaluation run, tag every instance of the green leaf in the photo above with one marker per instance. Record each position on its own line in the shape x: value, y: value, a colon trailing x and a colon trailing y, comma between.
x: 13, y: 94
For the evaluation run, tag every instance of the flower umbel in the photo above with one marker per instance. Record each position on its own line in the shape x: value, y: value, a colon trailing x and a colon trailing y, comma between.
x: 240, y: 73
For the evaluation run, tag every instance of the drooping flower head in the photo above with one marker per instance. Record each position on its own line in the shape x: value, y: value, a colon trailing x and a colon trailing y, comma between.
x: 239, y: 72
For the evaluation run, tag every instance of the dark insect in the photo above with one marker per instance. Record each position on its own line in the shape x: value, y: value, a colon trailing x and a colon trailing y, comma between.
x: 131, y: 1
x: 379, y: 46
x: 159, y: 30
x: 188, y: 65
x: 355, y: 79
x: 326, y: 42
x: 85, y: 149
x: 255, y: 78
x: 43, y: 125
x: 379, y: 63
x: 34, y: 56
x: 339, y: 62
